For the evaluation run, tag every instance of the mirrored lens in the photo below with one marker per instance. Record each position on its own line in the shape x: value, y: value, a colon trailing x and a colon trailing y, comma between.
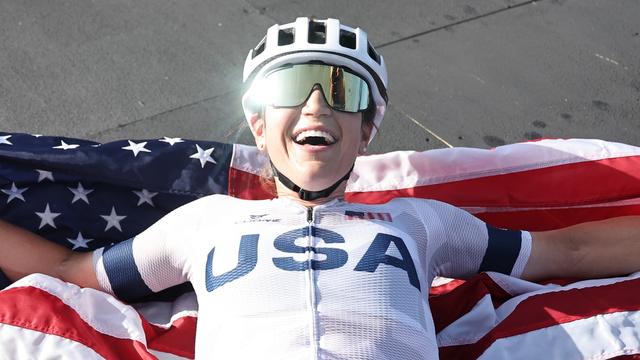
x: 291, y: 86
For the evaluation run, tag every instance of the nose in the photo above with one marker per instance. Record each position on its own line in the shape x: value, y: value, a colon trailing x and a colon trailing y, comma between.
x: 316, y: 105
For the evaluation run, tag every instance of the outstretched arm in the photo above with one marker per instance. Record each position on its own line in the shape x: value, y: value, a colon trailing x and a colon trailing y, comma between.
x: 590, y: 250
x: 23, y: 252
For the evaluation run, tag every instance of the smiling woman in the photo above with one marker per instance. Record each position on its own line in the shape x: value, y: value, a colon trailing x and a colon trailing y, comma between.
x: 330, y: 78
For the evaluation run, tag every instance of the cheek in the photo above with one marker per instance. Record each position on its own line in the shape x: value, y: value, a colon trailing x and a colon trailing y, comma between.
x: 277, y: 122
x: 354, y: 130
x: 273, y: 142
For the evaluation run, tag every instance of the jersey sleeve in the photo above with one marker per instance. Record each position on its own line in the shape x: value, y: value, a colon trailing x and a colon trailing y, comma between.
x: 152, y: 261
x: 461, y: 245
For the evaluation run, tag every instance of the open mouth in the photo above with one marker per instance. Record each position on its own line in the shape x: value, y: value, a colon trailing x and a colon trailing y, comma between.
x: 315, y: 138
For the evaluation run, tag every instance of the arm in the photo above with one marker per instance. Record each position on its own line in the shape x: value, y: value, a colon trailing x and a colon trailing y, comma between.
x: 463, y: 245
x: 23, y: 252
x: 590, y: 250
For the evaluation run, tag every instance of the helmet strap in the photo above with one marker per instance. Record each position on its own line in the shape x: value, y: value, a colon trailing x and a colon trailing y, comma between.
x: 309, y: 195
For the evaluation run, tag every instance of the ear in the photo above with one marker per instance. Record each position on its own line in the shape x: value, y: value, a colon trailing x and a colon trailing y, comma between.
x: 256, y: 122
x: 366, y: 133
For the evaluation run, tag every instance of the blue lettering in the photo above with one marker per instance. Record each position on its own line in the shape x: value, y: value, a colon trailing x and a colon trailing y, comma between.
x: 377, y: 254
x: 286, y: 242
x: 247, y: 259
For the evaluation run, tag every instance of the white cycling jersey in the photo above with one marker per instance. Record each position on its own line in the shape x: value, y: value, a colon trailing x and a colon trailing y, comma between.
x: 277, y: 280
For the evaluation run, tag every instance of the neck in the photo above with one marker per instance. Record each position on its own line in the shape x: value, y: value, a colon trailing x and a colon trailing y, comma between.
x: 307, y: 196
x: 284, y: 192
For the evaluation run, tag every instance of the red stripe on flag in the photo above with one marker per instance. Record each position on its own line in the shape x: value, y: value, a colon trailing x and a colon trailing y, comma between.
x: 553, y: 308
x: 48, y: 314
x: 179, y: 339
x: 245, y: 185
x: 549, y: 219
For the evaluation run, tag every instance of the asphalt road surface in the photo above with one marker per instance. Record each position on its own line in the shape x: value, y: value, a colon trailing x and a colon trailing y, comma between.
x: 478, y: 73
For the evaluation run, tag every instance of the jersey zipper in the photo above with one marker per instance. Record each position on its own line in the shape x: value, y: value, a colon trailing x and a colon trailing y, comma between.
x: 311, y: 287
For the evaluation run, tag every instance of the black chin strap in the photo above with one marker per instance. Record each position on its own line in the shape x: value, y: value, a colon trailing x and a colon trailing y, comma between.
x: 307, y: 194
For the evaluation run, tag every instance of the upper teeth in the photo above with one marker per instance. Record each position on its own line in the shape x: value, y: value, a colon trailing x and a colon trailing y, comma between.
x: 315, y: 133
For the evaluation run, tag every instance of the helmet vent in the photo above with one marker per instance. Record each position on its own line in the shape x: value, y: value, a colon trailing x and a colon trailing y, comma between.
x: 317, y: 32
x: 286, y: 36
x: 347, y: 39
x: 372, y: 52
x: 259, y: 48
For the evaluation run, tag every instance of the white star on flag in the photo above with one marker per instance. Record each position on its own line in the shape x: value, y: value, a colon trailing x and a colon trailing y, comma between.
x: 203, y: 155
x: 79, y: 242
x: 145, y: 197
x: 136, y: 148
x: 80, y: 193
x: 46, y: 217
x: 171, y: 141
x: 36, y: 135
x: 64, y: 146
x: 113, y: 219
x: 14, y: 192
x: 43, y: 174
x: 5, y: 139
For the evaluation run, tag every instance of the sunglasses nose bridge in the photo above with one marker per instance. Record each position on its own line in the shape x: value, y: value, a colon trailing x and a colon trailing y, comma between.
x: 316, y: 101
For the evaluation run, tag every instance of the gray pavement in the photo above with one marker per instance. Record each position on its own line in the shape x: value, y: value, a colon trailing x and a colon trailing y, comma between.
x: 462, y: 72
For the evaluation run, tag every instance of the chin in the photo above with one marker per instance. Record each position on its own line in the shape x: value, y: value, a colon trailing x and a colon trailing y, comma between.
x: 315, y: 183
x: 320, y: 179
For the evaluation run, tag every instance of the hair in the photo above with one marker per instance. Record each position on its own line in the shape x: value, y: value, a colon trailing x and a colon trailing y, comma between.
x: 368, y: 116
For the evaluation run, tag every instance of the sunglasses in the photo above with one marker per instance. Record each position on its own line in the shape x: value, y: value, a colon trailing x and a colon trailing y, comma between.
x: 292, y: 85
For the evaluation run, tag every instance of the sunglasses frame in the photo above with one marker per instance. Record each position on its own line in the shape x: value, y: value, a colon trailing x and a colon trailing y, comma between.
x: 264, y: 88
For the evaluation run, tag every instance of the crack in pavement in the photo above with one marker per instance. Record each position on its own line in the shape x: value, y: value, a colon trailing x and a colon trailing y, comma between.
x: 509, y: 7
x: 438, y: 137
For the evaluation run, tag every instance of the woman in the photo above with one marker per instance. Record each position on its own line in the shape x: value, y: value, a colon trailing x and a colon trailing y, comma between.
x: 307, y: 275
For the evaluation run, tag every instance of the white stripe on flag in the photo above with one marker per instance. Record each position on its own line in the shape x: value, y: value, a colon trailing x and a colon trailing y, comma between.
x: 163, y: 314
x: 166, y: 356
x: 20, y: 343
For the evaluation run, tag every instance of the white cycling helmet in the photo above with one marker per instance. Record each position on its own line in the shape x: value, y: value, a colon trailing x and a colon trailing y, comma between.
x: 332, y: 43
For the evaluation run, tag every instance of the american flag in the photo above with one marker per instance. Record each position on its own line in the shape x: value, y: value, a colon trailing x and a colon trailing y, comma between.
x: 85, y: 195
x: 354, y: 215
